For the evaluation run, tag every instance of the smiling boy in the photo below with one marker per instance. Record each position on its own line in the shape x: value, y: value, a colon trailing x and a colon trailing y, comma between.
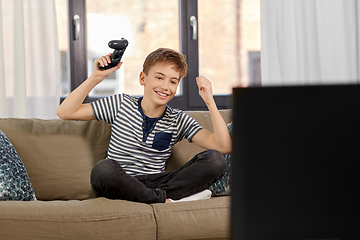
x: 145, y: 128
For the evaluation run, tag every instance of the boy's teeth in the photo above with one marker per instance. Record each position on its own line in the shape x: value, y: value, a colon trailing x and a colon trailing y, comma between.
x: 161, y: 94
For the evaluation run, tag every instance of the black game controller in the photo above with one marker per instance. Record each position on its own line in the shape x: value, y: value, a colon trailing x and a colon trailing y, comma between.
x: 119, y: 46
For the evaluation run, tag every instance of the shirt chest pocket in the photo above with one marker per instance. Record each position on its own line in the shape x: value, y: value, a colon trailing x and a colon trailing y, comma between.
x: 162, y: 140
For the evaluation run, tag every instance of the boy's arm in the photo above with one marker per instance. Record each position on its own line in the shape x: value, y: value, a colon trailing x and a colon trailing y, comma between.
x: 220, y: 140
x: 72, y: 108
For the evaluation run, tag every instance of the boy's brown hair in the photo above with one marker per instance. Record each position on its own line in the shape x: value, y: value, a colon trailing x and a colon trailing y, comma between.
x: 167, y: 55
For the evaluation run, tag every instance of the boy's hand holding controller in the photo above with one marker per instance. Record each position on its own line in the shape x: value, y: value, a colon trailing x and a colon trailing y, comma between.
x: 72, y: 108
x: 100, y: 74
x: 108, y: 64
x: 119, y: 47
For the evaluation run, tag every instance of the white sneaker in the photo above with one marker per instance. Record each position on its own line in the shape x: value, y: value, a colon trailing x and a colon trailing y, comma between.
x: 206, y: 194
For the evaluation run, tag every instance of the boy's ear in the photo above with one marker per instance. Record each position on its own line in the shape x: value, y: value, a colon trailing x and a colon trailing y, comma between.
x: 141, y: 78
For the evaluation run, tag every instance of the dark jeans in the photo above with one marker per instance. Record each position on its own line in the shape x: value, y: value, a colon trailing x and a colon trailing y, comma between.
x: 108, y: 179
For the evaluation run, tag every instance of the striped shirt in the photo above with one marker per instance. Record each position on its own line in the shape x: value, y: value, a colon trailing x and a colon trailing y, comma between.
x: 138, y: 151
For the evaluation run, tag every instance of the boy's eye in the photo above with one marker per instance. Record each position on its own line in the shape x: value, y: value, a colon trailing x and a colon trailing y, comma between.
x: 173, y: 82
x: 159, y: 77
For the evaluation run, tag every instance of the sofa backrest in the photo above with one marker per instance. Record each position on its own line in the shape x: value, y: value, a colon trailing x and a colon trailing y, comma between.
x: 59, y: 155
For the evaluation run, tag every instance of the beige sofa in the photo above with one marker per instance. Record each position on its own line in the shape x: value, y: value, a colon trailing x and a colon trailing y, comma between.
x: 59, y: 155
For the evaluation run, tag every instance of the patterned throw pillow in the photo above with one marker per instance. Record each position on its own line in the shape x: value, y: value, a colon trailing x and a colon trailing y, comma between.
x: 222, y: 186
x: 14, y: 180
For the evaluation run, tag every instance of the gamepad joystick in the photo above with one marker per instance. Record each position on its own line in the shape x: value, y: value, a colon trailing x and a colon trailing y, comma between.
x: 119, y: 46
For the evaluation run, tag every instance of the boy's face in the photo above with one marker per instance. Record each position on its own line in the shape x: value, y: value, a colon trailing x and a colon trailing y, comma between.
x: 160, y: 83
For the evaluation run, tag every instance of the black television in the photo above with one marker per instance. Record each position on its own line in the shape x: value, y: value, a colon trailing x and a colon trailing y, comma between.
x: 295, y: 167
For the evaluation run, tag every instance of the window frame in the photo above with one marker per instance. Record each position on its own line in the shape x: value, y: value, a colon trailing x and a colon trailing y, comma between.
x: 77, y: 48
x: 189, y: 98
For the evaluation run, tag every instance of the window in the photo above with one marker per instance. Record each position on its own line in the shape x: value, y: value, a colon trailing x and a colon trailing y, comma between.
x: 220, y: 38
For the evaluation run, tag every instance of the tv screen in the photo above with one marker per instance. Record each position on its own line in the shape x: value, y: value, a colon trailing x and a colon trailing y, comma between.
x: 295, y: 163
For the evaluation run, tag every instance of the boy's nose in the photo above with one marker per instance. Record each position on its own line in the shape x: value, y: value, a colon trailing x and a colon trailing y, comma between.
x: 165, y: 85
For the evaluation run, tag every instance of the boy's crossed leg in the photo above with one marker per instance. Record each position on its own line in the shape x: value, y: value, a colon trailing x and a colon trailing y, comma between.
x: 109, y: 180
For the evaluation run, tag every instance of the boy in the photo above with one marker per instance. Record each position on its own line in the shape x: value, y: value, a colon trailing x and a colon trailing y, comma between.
x: 144, y: 130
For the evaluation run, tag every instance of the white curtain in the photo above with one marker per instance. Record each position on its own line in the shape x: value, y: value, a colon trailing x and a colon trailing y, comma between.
x: 310, y: 42
x: 29, y: 59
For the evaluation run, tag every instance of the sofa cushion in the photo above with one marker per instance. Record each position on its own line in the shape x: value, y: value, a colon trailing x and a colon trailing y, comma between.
x: 98, y: 218
x: 59, y: 155
x: 202, y: 219
x: 14, y: 180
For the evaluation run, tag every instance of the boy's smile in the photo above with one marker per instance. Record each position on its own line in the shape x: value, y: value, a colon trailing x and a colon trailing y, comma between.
x: 160, y: 86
